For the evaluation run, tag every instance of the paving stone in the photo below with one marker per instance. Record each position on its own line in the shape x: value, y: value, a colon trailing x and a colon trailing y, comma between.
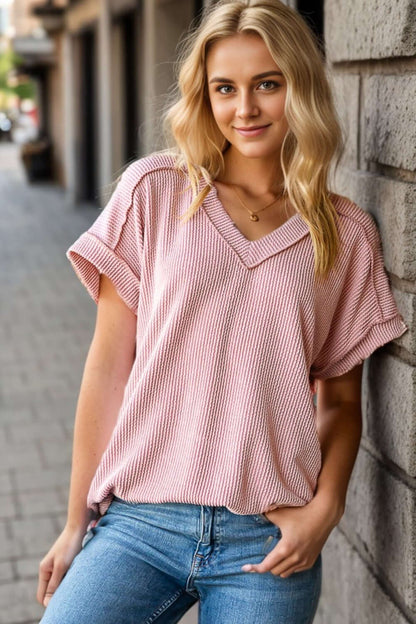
x: 18, y: 602
x: 33, y: 535
x: 27, y: 568
x: 19, y: 456
x: 62, y: 410
x: 10, y: 549
x: 41, y: 479
x: 54, y: 453
x: 6, y: 571
x: 5, y: 483
x: 41, y: 359
x: 3, y: 437
x: 44, y: 429
x: 7, y: 506
x: 41, y: 503
x: 14, y: 415
x: 60, y: 522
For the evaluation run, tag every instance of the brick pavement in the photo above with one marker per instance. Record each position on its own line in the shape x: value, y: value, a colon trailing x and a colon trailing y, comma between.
x: 46, y: 325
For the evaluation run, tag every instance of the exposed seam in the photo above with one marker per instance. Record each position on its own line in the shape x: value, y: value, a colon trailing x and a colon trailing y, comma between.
x: 164, y: 606
x: 196, y: 561
x: 370, y: 247
x: 134, y: 190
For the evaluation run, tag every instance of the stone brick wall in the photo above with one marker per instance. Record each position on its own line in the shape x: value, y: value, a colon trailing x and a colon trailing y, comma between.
x: 370, y: 559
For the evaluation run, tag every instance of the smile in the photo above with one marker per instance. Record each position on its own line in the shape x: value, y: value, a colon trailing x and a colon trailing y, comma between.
x: 252, y: 131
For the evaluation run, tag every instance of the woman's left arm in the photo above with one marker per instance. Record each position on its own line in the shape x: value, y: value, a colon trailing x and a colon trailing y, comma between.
x: 339, y: 427
x: 305, y: 529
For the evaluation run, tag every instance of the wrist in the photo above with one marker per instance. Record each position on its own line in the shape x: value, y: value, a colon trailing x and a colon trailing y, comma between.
x: 332, y: 506
x: 75, y: 530
x: 79, y: 525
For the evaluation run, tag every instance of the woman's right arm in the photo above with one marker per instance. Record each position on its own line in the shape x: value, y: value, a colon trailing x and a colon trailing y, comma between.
x: 107, y: 368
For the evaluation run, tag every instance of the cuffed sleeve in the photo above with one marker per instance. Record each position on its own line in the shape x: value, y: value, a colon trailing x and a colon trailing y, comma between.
x: 365, y: 316
x: 113, y: 244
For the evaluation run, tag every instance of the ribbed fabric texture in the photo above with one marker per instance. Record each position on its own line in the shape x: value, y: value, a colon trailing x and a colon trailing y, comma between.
x: 231, y: 333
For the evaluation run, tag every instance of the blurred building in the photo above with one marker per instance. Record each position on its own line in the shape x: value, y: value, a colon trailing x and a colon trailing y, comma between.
x: 23, y: 20
x: 103, y: 69
x: 22, y: 31
x: 111, y: 66
x: 5, y: 13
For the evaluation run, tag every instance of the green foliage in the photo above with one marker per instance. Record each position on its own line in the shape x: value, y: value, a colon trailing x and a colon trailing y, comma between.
x: 10, y: 61
x: 25, y: 90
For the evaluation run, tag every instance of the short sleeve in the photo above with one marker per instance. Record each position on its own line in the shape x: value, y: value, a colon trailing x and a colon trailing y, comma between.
x: 113, y: 244
x: 364, y: 316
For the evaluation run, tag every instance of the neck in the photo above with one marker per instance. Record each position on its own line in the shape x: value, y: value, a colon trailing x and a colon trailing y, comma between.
x: 260, y: 175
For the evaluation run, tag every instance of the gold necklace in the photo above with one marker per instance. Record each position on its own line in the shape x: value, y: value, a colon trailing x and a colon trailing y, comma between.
x: 253, y: 215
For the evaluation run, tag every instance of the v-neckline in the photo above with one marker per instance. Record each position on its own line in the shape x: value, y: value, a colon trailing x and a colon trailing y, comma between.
x: 252, y: 252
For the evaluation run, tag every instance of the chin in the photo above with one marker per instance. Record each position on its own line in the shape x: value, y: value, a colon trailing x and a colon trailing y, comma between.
x: 257, y: 152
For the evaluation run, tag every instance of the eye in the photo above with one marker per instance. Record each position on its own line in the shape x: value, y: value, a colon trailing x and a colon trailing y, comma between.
x: 225, y: 89
x: 268, y: 85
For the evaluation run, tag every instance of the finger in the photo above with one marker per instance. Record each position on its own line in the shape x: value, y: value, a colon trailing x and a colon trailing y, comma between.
x: 59, y: 570
x: 45, y: 572
x: 284, y: 566
x: 291, y: 571
x: 287, y: 570
x: 278, y: 556
x: 296, y: 564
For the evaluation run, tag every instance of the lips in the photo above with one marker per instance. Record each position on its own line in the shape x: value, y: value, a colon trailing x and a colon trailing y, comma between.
x: 251, y: 131
x: 251, y: 127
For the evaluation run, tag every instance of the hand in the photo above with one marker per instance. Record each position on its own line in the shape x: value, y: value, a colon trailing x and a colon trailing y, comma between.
x: 55, y: 564
x: 304, y: 532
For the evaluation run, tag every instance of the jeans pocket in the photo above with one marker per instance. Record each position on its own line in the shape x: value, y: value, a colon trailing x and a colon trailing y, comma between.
x: 90, y: 532
x: 262, y: 519
x: 87, y: 537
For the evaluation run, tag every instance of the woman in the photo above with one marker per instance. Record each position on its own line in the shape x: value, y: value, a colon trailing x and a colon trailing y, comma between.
x: 232, y: 286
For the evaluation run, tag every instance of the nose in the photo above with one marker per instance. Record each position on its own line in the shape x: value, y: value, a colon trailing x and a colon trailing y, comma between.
x: 246, y: 105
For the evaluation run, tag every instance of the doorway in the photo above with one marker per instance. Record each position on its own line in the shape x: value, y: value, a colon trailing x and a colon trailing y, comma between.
x: 86, y: 119
x: 313, y: 13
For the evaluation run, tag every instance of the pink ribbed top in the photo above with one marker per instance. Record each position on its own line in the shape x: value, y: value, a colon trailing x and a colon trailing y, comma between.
x: 218, y: 409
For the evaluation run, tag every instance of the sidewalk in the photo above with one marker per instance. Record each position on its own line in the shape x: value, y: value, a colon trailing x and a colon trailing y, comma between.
x: 46, y: 325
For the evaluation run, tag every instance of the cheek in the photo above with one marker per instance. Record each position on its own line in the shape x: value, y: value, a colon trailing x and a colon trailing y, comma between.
x: 278, y: 111
x: 221, y: 111
x: 274, y: 107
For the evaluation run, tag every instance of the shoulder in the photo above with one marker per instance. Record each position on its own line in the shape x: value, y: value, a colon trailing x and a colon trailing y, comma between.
x: 354, y: 223
x: 161, y: 167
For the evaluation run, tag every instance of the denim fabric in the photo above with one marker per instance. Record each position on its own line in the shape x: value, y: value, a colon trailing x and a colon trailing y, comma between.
x: 146, y: 562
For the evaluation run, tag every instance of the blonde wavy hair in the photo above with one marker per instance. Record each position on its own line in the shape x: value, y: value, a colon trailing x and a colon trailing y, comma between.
x: 314, y: 136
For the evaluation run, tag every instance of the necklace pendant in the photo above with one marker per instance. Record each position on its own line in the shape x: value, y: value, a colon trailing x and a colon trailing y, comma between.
x: 254, y: 217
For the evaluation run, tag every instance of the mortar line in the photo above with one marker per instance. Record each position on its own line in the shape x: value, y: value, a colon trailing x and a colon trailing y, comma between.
x: 386, y: 463
x: 377, y: 573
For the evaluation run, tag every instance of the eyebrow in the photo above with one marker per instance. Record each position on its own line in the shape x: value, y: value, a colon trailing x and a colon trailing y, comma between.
x: 257, y: 77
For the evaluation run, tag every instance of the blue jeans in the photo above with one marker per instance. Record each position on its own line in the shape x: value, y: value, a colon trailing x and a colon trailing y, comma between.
x: 146, y: 562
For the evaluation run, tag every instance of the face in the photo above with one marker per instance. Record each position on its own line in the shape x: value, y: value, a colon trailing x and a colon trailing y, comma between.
x: 247, y: 92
